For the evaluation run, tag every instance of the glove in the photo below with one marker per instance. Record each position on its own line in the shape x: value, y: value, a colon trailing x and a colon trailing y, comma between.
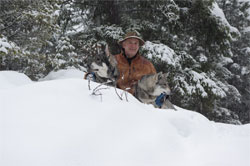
x: 91, y: 76
x: 160, y: 99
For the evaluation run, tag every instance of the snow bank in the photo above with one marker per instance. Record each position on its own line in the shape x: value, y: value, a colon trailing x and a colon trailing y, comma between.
x: 64, y: 74
x: 59, y: 123
x: 10, y: 79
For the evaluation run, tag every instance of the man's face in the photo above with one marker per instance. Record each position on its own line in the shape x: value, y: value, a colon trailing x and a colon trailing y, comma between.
x: 131, y: 47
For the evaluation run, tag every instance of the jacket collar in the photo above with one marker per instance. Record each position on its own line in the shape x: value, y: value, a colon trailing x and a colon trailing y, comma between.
x: 129, y: 59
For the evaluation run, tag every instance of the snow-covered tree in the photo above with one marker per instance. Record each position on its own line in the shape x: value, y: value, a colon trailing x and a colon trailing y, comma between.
x: 30, y: 25
x: 237, y: 13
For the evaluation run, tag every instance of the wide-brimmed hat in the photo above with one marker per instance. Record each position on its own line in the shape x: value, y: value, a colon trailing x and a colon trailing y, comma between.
x: 133, y: 34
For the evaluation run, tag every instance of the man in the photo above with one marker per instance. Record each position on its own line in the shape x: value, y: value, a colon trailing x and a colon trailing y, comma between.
x: 131, y: 65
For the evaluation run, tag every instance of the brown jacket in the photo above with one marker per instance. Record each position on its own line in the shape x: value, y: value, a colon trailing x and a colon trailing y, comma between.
x: 131, y: 73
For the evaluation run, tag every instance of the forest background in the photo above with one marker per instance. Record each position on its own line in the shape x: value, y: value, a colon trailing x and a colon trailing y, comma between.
x: 203, y: 45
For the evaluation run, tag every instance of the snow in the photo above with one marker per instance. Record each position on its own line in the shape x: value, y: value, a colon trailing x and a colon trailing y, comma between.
x: 4, y: 45
x: 10, y: 79
x: 247, y: 29
x: 57, y: 122
x: 77, y: 28
x: 245, y: 70
x: 202, y: 58
x: 162, y: 52
x: 64, y: 74
x: 218, y: 12
x: 246, y: 1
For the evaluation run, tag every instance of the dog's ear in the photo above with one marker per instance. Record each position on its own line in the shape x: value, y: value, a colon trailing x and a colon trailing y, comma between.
x: 107, y: 51
x: 159, y: 75
x: 162, y: 78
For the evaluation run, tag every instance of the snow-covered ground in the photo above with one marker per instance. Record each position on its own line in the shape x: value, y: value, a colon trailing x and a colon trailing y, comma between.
x: 57, y: 122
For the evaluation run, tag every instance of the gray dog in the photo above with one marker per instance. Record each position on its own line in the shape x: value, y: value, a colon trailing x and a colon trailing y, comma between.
x: 152, y: 86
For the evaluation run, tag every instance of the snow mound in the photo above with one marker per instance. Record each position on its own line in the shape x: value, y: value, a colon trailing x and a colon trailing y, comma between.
x: 64, y: 74
x: 59, y: 123
x: 10, y: 79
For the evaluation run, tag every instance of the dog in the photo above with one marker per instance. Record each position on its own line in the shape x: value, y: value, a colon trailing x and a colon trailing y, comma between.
x: 102, y: 66
x: 149, y: 87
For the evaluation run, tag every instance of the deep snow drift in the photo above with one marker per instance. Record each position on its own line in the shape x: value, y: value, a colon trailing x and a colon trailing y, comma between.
x: 57, y: 122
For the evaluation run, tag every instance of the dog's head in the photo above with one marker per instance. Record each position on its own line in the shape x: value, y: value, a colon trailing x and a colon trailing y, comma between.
x: 155, y: 84
x: 103, y: 64
x: 152, y: 86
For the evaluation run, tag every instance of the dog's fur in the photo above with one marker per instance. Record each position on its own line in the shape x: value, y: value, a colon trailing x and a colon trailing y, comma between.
x: 150, y: 87
x: 104, y: 65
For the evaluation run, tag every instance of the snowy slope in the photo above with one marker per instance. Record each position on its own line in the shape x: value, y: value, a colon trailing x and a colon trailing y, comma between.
x: 59, y: 123
x: 10, y: 79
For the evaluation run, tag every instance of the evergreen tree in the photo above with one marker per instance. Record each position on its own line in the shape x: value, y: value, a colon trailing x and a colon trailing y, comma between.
x: 238, y: 14
x: 30, y: 25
